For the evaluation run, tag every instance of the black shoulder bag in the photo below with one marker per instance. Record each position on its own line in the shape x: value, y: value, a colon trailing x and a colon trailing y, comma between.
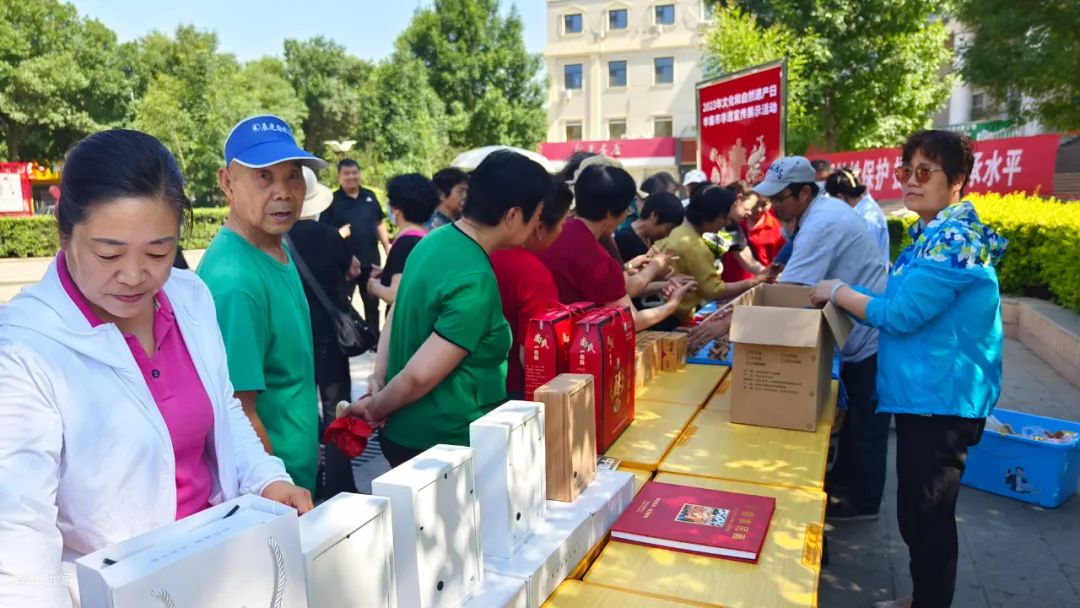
x: 354, y: 337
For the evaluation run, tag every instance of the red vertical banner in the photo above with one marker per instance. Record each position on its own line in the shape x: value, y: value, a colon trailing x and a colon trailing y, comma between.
x: 741, y: 119
x: 15, y: 196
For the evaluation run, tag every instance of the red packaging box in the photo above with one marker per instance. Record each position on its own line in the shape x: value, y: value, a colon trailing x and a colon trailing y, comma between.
x: 599, y: 348
x: 547, y: 345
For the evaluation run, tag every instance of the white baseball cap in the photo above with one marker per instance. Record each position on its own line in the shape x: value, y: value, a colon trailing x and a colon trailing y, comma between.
x: 318, y: 196
x: 694, y: 176
x: 784, y: 172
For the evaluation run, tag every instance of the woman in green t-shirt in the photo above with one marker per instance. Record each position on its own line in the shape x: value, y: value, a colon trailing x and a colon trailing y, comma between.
x: 443, y: 358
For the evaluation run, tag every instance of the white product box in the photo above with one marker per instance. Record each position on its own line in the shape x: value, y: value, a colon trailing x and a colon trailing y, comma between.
x: 510, y: 462
x: 568, y: 533
x: 348, y: 551
x: 436, y: 520
x: 499, y: 591
x: 245, y: 552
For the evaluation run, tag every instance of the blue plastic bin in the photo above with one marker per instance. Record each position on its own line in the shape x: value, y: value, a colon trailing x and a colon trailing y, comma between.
x: 1038, y: 472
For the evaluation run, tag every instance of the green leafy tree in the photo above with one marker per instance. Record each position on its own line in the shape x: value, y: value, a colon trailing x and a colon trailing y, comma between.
x: 1027, y: 49
x: 331, y: 84
x: 477, y: 63
x: 869, y: 72
x: 61, y: 78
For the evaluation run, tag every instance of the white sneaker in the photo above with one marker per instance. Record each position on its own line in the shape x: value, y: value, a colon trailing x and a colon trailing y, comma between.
x: 900, y: 603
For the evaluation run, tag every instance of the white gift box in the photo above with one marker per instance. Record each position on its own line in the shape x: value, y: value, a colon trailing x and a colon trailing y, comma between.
x: 565, y: 537
x: 436, y: 521
x: 245, y: 552
x: 348, y: 552
x: 510, y: 462
x: 499, y: 591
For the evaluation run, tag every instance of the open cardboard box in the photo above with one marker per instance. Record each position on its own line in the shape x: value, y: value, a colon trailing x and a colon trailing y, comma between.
x: 783, y: 364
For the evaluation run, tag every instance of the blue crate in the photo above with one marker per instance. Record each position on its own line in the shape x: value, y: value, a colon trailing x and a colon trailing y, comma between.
x: 1048, y: 472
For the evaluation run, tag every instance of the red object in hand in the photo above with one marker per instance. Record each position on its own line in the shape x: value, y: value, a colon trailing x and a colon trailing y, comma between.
x: 349, y: 434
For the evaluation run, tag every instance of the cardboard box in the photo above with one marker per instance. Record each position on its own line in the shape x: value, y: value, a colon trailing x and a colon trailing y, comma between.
x: 193, y: 562
x: 339, y: 534
x: 499, y: 591
x: 599, y: 348
x: 673, y: 347
x: 566, y: 536
x: 644, y: 365
x: 436, y: 520
x: 782, y: 366
x: 570, y: 435
x: 510, y: 459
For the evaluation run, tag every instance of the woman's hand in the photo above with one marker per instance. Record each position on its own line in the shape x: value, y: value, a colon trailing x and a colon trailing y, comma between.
x: 289, y: 495
x: 707, y: 332
x: 366, y: 409
x: 819, y: 297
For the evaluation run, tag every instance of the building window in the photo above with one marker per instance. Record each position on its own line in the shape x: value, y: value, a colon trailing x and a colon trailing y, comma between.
x: 572, y: 23
x: 616, y: 73
x: 707, y: 10
x: 665, y: 14
x: 572, y: 76
x: 665, y: 70
x: 618, y: 19
x: 616, y: 128
x: 978, y: 106
x: 662, y: 127
x: 573, y: 130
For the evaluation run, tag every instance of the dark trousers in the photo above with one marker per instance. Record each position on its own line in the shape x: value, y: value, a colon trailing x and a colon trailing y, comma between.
x: 335, y: 384
x: 858, y: 476
x: 930, y: 456
x: 396, y: 454
x: 371, y: 302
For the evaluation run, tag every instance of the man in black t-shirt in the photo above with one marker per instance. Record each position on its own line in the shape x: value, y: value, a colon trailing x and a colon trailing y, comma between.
x: 359, y: 209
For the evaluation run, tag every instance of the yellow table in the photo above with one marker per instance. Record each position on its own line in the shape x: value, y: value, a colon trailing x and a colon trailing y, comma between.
x: 786, y: 575
x: 640, y: 476
x: 713, y: 446
x: 691, y: 385
x: 721, y: 399
x: 654, y: 430
x: 575, y: 594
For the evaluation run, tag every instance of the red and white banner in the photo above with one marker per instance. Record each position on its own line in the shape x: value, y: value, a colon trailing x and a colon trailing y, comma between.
x: 741, y: 123
x: 15, y: 196
x: 1017, y: 164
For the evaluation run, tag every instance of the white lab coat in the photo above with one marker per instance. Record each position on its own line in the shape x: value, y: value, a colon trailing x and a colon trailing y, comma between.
x: 86, y: 460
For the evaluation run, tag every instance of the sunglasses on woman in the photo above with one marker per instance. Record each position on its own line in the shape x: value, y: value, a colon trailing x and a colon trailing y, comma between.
x: 922, y: 173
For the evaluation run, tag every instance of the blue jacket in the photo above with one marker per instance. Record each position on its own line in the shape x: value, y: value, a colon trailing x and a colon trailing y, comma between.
x: 939, y: 347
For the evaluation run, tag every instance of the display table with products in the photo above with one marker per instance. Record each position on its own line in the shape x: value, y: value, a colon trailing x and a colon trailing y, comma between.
x: 691, y: 385
x: 655, y: 428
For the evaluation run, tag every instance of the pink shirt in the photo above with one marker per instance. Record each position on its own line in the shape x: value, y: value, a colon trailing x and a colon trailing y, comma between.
x: 178, y: 392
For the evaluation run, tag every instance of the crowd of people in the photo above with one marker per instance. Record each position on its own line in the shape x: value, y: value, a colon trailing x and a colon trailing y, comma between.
x: 133, y: 394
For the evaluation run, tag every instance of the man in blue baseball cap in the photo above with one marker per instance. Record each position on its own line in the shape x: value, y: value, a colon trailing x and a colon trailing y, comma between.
x: 261, y: 307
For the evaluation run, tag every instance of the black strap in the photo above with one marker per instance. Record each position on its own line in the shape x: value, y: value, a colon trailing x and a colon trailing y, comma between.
x: 305, y: 274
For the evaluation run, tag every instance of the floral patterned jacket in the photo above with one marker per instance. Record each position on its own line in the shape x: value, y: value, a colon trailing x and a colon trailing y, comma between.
x: 939, y: 349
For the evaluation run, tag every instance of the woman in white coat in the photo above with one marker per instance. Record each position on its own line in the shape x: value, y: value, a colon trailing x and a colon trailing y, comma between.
x: 117, y: 414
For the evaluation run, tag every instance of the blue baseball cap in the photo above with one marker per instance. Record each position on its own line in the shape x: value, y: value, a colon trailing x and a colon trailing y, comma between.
x: 784, y: 172
x: 264, y: 140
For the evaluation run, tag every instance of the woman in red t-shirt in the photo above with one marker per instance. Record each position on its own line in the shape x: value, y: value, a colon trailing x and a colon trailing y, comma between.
x: 526, y: 286
x: 763, y: 231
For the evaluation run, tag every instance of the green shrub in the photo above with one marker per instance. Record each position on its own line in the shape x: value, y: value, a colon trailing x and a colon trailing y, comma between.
x: 1043, y: 257
x: 36, y: 236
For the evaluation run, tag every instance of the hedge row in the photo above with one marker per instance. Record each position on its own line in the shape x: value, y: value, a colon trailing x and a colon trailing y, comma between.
x: 35, y: 236
x: 1043, y: 257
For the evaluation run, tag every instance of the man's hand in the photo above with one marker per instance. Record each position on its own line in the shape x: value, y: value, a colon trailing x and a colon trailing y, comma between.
x: 289, y: 495
x: 707, y: 332
x: 345, y: 231
x: 819, y: 297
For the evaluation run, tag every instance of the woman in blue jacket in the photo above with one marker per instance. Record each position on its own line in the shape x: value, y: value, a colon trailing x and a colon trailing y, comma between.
x: 939, y: 351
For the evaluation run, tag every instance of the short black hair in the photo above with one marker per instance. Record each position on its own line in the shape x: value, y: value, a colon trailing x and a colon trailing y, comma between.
x: 557, y: 203
x: 572, y: 164
x: 446, y: 179
x: 953, y: 151
x: 844, y: 183
x: 114, y: 164
x: 659, y: 182
x: 667, y: 208
x: 504, y: 180
x: 347, y: 162
x: 821, y: 165
x: 798, y: 187
x: 709, y: 204
x: 603, y: 190
x: 414, y: 195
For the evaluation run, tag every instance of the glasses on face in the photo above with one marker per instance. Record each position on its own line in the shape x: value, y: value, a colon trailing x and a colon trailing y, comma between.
x: 779, y: 199
x: 922, y: 173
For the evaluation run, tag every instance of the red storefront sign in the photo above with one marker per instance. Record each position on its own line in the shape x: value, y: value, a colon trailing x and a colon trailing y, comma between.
x: 1017, y: 164
x: 15, y: 195
x: 659, y: 147
x: 741, y: 123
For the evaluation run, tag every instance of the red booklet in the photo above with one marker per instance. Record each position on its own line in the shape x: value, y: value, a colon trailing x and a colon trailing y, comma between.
x: 696, y: 520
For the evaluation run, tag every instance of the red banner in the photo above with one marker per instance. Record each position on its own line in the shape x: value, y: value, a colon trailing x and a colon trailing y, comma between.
x: 15, y: 196
x: 741, y: 124
x: 659, y: 147
x: 1017, y: 164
